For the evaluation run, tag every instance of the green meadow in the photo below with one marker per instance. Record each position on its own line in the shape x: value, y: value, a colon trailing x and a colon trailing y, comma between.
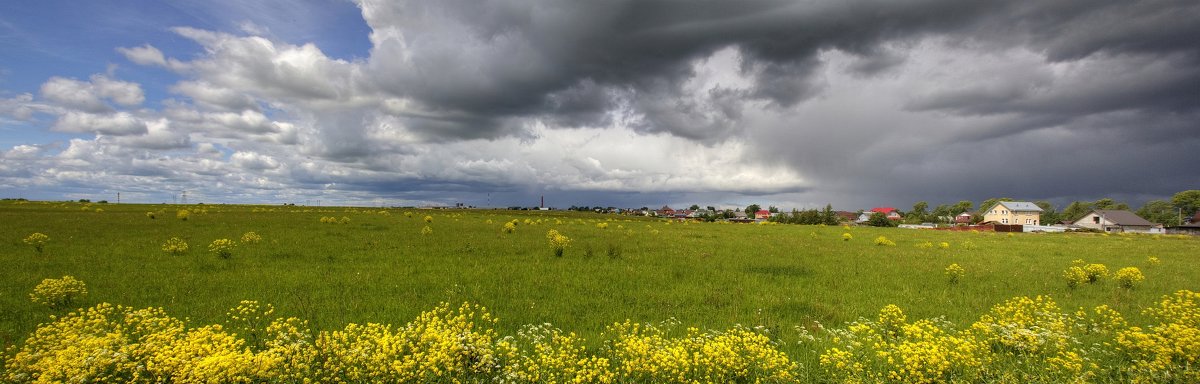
x: 378, y: 265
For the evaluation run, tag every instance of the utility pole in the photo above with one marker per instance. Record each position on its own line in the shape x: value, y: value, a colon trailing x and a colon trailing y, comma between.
x: 184, y: 199
x: 118, y: 197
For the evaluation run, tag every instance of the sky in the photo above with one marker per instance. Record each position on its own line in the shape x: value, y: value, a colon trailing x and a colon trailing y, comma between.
x: 624, y: 103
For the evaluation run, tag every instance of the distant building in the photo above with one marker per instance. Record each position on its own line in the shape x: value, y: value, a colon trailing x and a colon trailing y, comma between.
x: 891, y: 213
x: 1013, y: 213
x: 963, y: 218
x: 762, y: 214
x: 1111, y: 220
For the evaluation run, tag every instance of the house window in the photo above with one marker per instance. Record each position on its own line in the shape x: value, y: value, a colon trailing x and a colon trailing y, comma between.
x: 1005, y: 221
x: 1096, y: 219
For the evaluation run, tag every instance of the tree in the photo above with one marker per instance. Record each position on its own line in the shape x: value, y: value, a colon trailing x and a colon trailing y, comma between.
x: 712, y: 209
x: 918, y: 213
x: 960, y: 207
x: 942, y: 212
x: 694, y: 207
x: 772, y: 209
x: 1187, y: 201
x: 1160, y: 211
x: 1076, y: 210
x: 989, y: 203
x: 751, y: 209
x: 879, y: 219
x: 1049, y: 216
x: 1107, y: 203
x: 828, y: 216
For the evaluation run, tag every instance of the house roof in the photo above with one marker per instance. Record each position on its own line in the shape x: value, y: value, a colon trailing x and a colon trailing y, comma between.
x: 762, y: 212
x: 1122, y: 217
x: 1020, y: 206
x: 883, y: 209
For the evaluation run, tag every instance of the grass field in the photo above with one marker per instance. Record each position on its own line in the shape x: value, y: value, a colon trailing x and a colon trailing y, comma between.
x: 377, y: 265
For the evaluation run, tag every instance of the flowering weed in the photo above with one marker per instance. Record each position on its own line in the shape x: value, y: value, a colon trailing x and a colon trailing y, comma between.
x: 222, y: 248
x: 38, y: 241
x: 58, y: 293
x: 175, y: 246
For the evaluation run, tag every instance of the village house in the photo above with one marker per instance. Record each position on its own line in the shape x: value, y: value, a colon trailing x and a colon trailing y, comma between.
x: 963, y: 218
x: 1111, y: 220
x: 762, y: 214
x: 1013, y: 213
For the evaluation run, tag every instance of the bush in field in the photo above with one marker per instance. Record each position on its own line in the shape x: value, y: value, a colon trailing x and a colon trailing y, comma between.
x: 344, y: 220
x: 1095, y: 272
x: 1128, y: 277
x: 955, y: 273
x: 426, y: 231
x: 884, y: 241
x: 150, y: 215
x: 509, y: 227
x: 175, y: 246
x: 847, y: 236
x: 222, y: 248
x: 428, y: 219
x: 1153, y: 261
x: 602, y: 225
x: 1075, y: 275
x: 251, y: 237
x: 182, y: 214
x: 38, y: 241
x: 558, y: 242
x: 58, y: 293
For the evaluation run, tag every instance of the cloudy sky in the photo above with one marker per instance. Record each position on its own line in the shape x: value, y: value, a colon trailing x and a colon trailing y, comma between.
x: 626, y: 103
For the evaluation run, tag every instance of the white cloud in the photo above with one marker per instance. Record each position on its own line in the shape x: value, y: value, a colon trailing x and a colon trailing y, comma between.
x: 90, y: 96
x: 116, y: 124
x: 215, y: 97
x: 144, y: 55
x: 23, y: 152
x: 253, y: 161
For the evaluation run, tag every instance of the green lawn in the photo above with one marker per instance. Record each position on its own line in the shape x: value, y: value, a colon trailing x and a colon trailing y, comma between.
x: 378, y: 267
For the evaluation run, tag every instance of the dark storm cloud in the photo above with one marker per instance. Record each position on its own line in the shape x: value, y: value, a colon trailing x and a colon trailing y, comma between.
x: 574, y: 62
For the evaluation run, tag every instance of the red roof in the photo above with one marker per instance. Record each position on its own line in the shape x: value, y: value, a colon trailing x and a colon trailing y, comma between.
x: 884, y: 210
x: 763, y: 212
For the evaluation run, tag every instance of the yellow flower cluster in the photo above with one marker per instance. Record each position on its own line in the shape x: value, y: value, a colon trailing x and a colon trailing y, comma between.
x: 643, y: 353
x: 1128, y: 277
x: 426, y: 231
x: 558, y: 242
x: 222, y: 247
x: 1168, y: 351
x: 251, y: 237
x: 884, y: 241
x: 543, y: 354
x: 1021, y: 340
x: 175, y: 246
x: 602, y: 225
x: 847, y: 236
x: 37, y: 240
x: 334, y: 220
x: 428, y: 219
x: 58, y: 293
x: 108, y: 343
x: 1081, y: 272
x: 509, y: 227
x: 955, y: 273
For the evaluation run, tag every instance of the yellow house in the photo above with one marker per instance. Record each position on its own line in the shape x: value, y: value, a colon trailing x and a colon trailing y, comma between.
x: 1013, y: 212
